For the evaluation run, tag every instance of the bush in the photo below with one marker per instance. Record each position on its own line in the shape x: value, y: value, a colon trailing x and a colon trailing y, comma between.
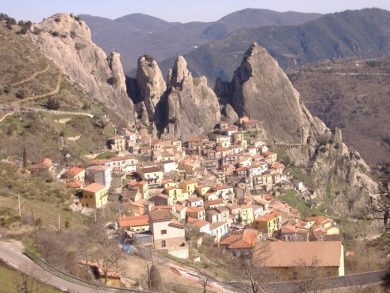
x: 52, y: 104
x: 112, y: 80
x: 20, y: 94
x: 55, y: 34
x: 57, y: 19
x: 79, y: 46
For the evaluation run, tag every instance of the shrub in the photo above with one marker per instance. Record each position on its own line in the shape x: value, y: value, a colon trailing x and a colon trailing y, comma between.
x: 57, y: 19
x: 20, y: 94
x: 52, y: 104
x: 55, y: 34
x: 112, y: 80
x: 80, y: 46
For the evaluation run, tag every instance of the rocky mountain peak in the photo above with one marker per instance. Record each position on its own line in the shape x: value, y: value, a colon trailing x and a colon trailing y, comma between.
x: 189, y: 107
x: 66, y: 40
x: 261, y: 90
x: 150, y: 83
x: 179, y: 73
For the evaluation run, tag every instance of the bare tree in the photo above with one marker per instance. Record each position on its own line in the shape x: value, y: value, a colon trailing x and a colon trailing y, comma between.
x: 310, y: 276
x: 252, y: 269
x: 104, y: 251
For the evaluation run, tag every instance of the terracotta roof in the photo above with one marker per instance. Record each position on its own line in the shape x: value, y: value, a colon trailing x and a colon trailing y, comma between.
x: 222, y: 187
x: 216, y: 225
x: 97, y: 168
x: 201, y: 223
x: 318, y: 219
x: 150, y: 170
x: 299, y: 253
x: 214, y: 202
x: 75, y: 171
x: 192, y: 220
x: 267, y: 217
x: 194, y: 209
x: 277, y: 165
x: 94, y: 187
x: 160, y: 215
x: 133, y: 221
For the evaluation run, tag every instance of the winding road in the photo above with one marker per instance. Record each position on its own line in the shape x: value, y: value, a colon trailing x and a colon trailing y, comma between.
x: 12, y: 253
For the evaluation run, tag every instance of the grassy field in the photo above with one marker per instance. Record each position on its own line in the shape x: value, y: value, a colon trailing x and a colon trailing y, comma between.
x: 305, y: 211
x: 45, y: 200
x: 12, y: 281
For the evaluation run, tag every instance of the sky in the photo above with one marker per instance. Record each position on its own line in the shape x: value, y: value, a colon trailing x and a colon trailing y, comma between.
x: 174, y: 10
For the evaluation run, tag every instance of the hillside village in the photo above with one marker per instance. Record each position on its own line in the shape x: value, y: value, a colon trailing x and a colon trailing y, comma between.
x: 224, y: 185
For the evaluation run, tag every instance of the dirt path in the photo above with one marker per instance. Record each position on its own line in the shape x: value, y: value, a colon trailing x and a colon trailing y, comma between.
x: 31, y: 77
x: 32, y: 98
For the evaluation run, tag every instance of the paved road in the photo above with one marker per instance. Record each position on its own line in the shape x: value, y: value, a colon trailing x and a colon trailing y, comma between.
x: 12, y: 253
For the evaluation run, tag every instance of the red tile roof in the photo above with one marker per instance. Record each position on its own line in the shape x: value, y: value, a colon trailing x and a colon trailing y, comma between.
x: 94, y: 187
x: 134, y: 221
x: 74, y: 171
x: 267, y: 217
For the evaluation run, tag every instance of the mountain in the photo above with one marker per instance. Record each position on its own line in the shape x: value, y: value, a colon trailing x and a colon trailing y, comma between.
x: 363, y: 33
x: 354, y: 96
x: 137, y: 34
x: 43, y: 110
x: 66, y: 41
x: 185, y: 106
x: 260, y: 89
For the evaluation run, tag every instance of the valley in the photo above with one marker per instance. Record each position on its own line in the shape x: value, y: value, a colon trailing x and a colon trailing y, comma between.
x: 153, y: 184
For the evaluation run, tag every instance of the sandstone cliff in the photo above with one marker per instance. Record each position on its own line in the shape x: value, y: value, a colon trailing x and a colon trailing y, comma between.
x: 67, y: 42
x: 189, y: 107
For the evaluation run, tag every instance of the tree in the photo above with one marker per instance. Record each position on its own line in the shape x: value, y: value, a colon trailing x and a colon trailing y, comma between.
x: 253, y: 271
x: 155, y: 283
x: 105, y: 251
x: 25, y: 159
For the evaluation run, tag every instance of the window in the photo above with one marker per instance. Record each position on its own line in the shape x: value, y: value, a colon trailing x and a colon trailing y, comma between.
x: 163, y: 243
x: 295, y: 275
x: 163, y: 232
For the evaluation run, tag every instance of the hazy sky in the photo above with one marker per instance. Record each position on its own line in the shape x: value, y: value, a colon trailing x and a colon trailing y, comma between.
x: 174, y: 10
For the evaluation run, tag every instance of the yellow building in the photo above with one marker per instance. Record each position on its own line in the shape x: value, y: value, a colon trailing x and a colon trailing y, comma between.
x: 174, y: 194
x: 269, y: 223
x: 246, y: 214
x: 203, y: 189
x: 189, y: 186
x: 94, y: 196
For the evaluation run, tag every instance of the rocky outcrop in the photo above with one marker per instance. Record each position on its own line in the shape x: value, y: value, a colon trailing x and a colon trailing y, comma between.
x: 67, y: 42
x: 260, y: 89
x: 190, y: 106
x: 151, y: 84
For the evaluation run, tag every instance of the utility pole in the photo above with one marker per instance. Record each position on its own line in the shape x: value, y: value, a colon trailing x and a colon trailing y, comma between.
x: 95, y: 215
x: 20, y: 212
x: 35, y: 227
x: 59, y: 222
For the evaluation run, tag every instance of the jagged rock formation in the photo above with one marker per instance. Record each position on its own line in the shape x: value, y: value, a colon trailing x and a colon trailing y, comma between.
x: 189, y: 107
x: 150, y: 83
x: 67, y: 42
x: 260, y: 89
